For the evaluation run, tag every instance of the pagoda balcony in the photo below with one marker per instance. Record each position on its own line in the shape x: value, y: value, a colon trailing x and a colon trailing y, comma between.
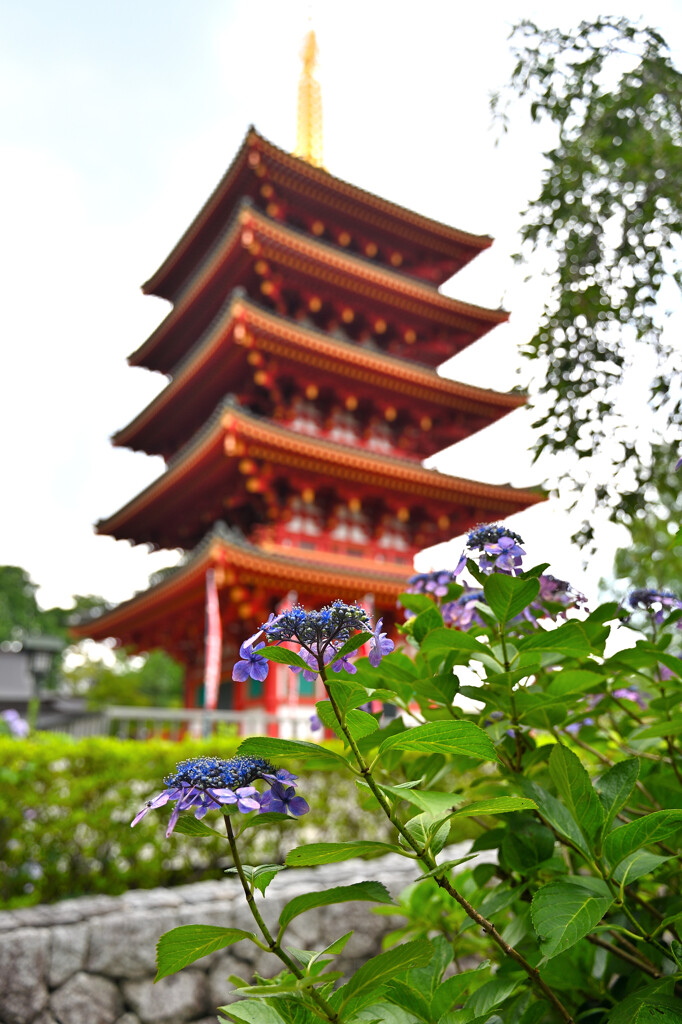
x: 252, y: 352
x: 238, y: 465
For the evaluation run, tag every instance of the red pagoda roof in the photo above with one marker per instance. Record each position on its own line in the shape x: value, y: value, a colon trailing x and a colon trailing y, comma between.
x: 171, y: 613
x: 207, y: 467
x: 217, y: 364
x: 257, y: 161
x: 250, y: 235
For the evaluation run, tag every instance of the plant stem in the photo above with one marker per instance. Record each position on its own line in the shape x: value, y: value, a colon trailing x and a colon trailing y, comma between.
x: 273, y: 945
x: 429, y: 861
x: 635, y: 961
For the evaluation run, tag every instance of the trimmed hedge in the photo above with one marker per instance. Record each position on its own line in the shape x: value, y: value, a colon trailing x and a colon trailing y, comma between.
x: 66, y: 807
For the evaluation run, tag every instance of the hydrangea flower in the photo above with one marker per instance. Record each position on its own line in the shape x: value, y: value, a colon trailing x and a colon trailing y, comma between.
x: 283, y: 800
x: 463, y: 611
x: 435, y: 583
x: 658, y: 603
x: 203, y: 784
x: 499, y: 549
x: 18, y: 726
x: 252, y: 665
x: 379, y: 645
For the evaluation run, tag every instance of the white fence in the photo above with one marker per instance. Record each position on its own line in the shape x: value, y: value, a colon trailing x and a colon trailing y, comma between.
x: 140, y: 723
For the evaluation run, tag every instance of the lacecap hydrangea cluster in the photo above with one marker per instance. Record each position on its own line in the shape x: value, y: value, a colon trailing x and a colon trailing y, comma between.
x: 320, y: 635
x: 496, y: 549
x: 203, y: 784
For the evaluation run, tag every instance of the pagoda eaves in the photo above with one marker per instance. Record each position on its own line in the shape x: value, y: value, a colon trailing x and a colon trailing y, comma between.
x: 219, y: 363
x: 273, y: 177
x: 305, y: 262
x: 174, y: 509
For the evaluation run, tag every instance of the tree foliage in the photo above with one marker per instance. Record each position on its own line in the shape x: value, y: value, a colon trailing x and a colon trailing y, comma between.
x: 609, y: 211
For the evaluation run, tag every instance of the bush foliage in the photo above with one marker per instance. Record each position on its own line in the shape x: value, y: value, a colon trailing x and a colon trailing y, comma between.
x: 66, y: 807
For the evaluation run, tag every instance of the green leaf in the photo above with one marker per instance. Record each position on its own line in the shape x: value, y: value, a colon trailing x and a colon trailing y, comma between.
x: 371, y: 892
x: 416, y: 602
x: 426, y: 622
x: 497, y: 805
x: 509, y: 595
x: 360, y: 989
x: 429, y: 832
x: 463, y: 739
x: 615, y: 786
x: 491, y: 994
x: 671, y: 727
x: 643, y: 832
x: 251, y: 1011
x: 563, y: 913
x: 353, y: 643
x: 567, y: 639
x: 182, y: 946
x: 573, y: 681
x: 283, y: 657
x: 555, y: 814
x: 433, y: 802
x: 260, y: 876
x: 271, y: 746
x: 576, y: 790
x: 648, y: 1006
x: 188, y: 825
x: 452, y: 989
x: 358, y: 723
x: 441, y: 641
x: 332, y: 853
x: 526, y: 844
x: 637, y: 864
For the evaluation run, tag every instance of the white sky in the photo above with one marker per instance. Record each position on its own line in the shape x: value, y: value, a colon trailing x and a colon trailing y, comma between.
x: 119, y: 118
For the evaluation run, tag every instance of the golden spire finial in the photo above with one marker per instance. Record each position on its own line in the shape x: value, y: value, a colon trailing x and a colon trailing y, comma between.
x: 309, y: 127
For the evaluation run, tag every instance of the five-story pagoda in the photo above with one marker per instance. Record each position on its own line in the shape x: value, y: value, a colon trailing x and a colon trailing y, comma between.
x: 301, y: 347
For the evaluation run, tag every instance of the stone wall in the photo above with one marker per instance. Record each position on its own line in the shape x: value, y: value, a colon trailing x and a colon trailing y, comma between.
x: 90, y: 960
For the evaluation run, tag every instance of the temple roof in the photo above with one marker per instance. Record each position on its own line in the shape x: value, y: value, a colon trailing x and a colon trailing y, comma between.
x: 252, y: 234
x: 157, y: 617
x: 210, y: 368
x: 314, y: 185
x: 207, y: 466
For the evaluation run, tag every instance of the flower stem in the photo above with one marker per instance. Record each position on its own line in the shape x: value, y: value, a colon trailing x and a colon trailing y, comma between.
x: 429, y: 861
x: 325, y: 1009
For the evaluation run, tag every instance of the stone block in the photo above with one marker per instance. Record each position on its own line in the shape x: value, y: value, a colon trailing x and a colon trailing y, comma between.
x: 180, y: 997
x: 23, y: 969
x: 225, y: 964
x: 147, y: 899
x: 86, y: 999
x: 68, y: 948
x: 124, y: 945
x: 130, y: 1018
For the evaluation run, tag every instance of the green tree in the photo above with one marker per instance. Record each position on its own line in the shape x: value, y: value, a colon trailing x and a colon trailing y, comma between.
x: 150, y: 680
x: 609, y: 211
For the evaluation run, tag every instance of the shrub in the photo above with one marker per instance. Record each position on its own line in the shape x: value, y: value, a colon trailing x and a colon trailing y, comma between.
x: 66, y: 807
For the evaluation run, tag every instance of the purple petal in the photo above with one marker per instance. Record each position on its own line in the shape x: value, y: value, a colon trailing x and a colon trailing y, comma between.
x: 173, y: 820
x: 241, y: 671
x: 259, y: 669
x: 297, y: 806
x: 140, y: 815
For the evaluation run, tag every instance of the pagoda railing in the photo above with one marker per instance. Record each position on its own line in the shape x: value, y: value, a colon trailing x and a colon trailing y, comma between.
x: 142, y: 723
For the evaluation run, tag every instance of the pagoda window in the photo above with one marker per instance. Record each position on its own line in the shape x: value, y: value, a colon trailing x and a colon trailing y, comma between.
x: 343, y: 427
x: 304, y: 418
x: 305, y: 519
x: 394, y: 536
x: 351, y: 527
x: 380, y: 438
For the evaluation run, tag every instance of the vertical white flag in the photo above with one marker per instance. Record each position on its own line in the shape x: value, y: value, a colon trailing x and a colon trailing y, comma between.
x: 212, y: 644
